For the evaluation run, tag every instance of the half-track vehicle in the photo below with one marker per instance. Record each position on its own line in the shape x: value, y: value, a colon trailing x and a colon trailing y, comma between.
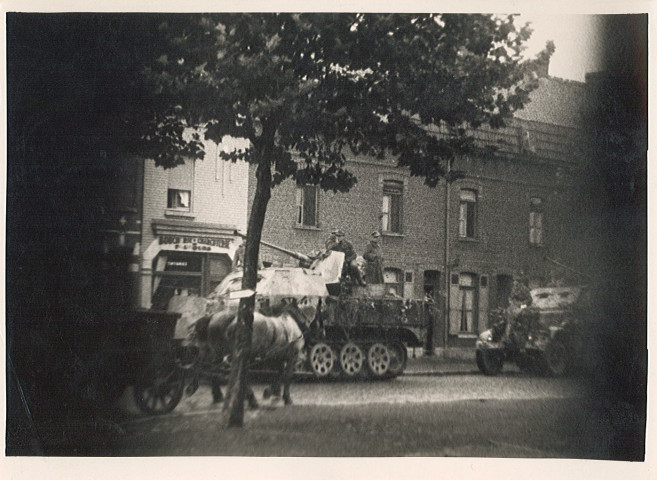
x: 544, y: 338
x: 354, y: 331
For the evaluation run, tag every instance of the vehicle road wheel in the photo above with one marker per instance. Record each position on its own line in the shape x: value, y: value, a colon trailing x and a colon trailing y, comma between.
x: 378, y: 360
x: 555, y: 358
x: 489, y: 362
x: 351, y: 359
x: 398, y: 359
x: 322, y: 359
x: 160, y: 388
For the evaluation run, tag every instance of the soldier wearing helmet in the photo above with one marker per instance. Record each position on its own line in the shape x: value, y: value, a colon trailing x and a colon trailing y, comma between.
x: 350, y: 265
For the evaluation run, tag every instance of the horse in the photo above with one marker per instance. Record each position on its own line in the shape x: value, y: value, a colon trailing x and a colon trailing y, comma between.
x: 277, y: 339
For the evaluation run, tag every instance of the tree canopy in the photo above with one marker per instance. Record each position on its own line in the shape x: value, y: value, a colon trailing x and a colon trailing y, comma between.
x: 314, y: 84
x: 319, y: 84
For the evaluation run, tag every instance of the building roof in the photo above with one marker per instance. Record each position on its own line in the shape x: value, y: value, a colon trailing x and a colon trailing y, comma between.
x: 558, y: 102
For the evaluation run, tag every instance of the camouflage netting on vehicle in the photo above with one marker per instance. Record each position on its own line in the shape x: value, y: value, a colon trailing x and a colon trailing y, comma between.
x: 374, y: 311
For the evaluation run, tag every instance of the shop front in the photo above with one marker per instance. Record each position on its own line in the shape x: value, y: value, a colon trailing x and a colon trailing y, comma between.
x: 187, y: 259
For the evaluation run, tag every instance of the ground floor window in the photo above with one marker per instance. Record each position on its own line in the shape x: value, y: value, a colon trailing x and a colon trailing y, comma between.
x: 466, y: 303
x: 178, y: 273
x: 431, y: 284
x: 463, y: 304
x: 392, y: 278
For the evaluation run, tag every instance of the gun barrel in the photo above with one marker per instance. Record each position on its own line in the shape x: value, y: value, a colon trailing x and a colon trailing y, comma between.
x: 292, y: 253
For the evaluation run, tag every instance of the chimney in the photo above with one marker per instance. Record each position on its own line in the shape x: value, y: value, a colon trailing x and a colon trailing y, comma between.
x: 544, y: 60
x: 543, y: 68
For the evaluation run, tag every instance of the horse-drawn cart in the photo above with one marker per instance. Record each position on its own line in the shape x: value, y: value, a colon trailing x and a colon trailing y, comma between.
x: 170, y: 365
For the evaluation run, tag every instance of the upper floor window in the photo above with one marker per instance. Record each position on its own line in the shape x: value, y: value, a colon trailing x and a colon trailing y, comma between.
x: 467, y: 213
x: 180, y: 186
x: 536, y: 221
x: 307, y: 203
x: 391, y: 211
x: 178, y: 199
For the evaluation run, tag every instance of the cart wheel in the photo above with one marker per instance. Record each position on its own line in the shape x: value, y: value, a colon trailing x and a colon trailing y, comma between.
x: 160, y: 387
x: 351, y: 359
x: 398, y: 359
x: 378, y: 360
x: 322, y: 359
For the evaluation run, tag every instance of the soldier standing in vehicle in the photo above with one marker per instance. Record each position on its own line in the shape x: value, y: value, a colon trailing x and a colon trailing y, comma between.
x: 238, y: 261
x: 350, y: 266
x: 374, y: 256
x: 332, y: 241
x: 520, y: 298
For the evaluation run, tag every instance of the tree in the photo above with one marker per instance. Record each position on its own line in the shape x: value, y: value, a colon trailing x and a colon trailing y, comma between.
x: 303, y: 89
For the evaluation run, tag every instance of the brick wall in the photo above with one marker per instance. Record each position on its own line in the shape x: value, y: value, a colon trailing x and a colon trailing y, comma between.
x: 501, y: 246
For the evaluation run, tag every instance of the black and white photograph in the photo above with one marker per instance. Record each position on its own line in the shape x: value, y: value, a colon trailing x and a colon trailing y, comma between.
x: 327, y: 235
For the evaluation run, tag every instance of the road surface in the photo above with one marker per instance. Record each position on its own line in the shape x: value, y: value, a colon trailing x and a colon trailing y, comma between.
x: 512, y: 415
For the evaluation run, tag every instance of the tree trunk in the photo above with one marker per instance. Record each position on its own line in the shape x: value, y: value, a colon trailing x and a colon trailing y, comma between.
x: 238, y: 381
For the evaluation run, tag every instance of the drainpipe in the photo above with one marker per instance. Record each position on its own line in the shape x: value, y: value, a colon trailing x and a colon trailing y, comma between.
x: 446, y: 258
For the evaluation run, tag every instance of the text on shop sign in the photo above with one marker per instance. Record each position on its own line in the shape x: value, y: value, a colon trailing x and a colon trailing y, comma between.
x: 194, y: 243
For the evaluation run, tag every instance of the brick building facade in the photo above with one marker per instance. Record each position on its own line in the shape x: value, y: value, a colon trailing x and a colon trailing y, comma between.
x: 507, y: 218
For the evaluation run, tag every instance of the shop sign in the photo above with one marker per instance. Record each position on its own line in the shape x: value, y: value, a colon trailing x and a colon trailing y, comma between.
x: 194, y: 243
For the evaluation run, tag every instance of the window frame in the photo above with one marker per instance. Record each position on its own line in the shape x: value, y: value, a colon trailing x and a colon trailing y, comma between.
x: 173, y: 205
x: 472, y: 291
x: 301, y: 194
x: 536, y: 230
x: 398, y: 286
x: 181, y: 179
x: 468, y: 217
x: 392, y: 207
